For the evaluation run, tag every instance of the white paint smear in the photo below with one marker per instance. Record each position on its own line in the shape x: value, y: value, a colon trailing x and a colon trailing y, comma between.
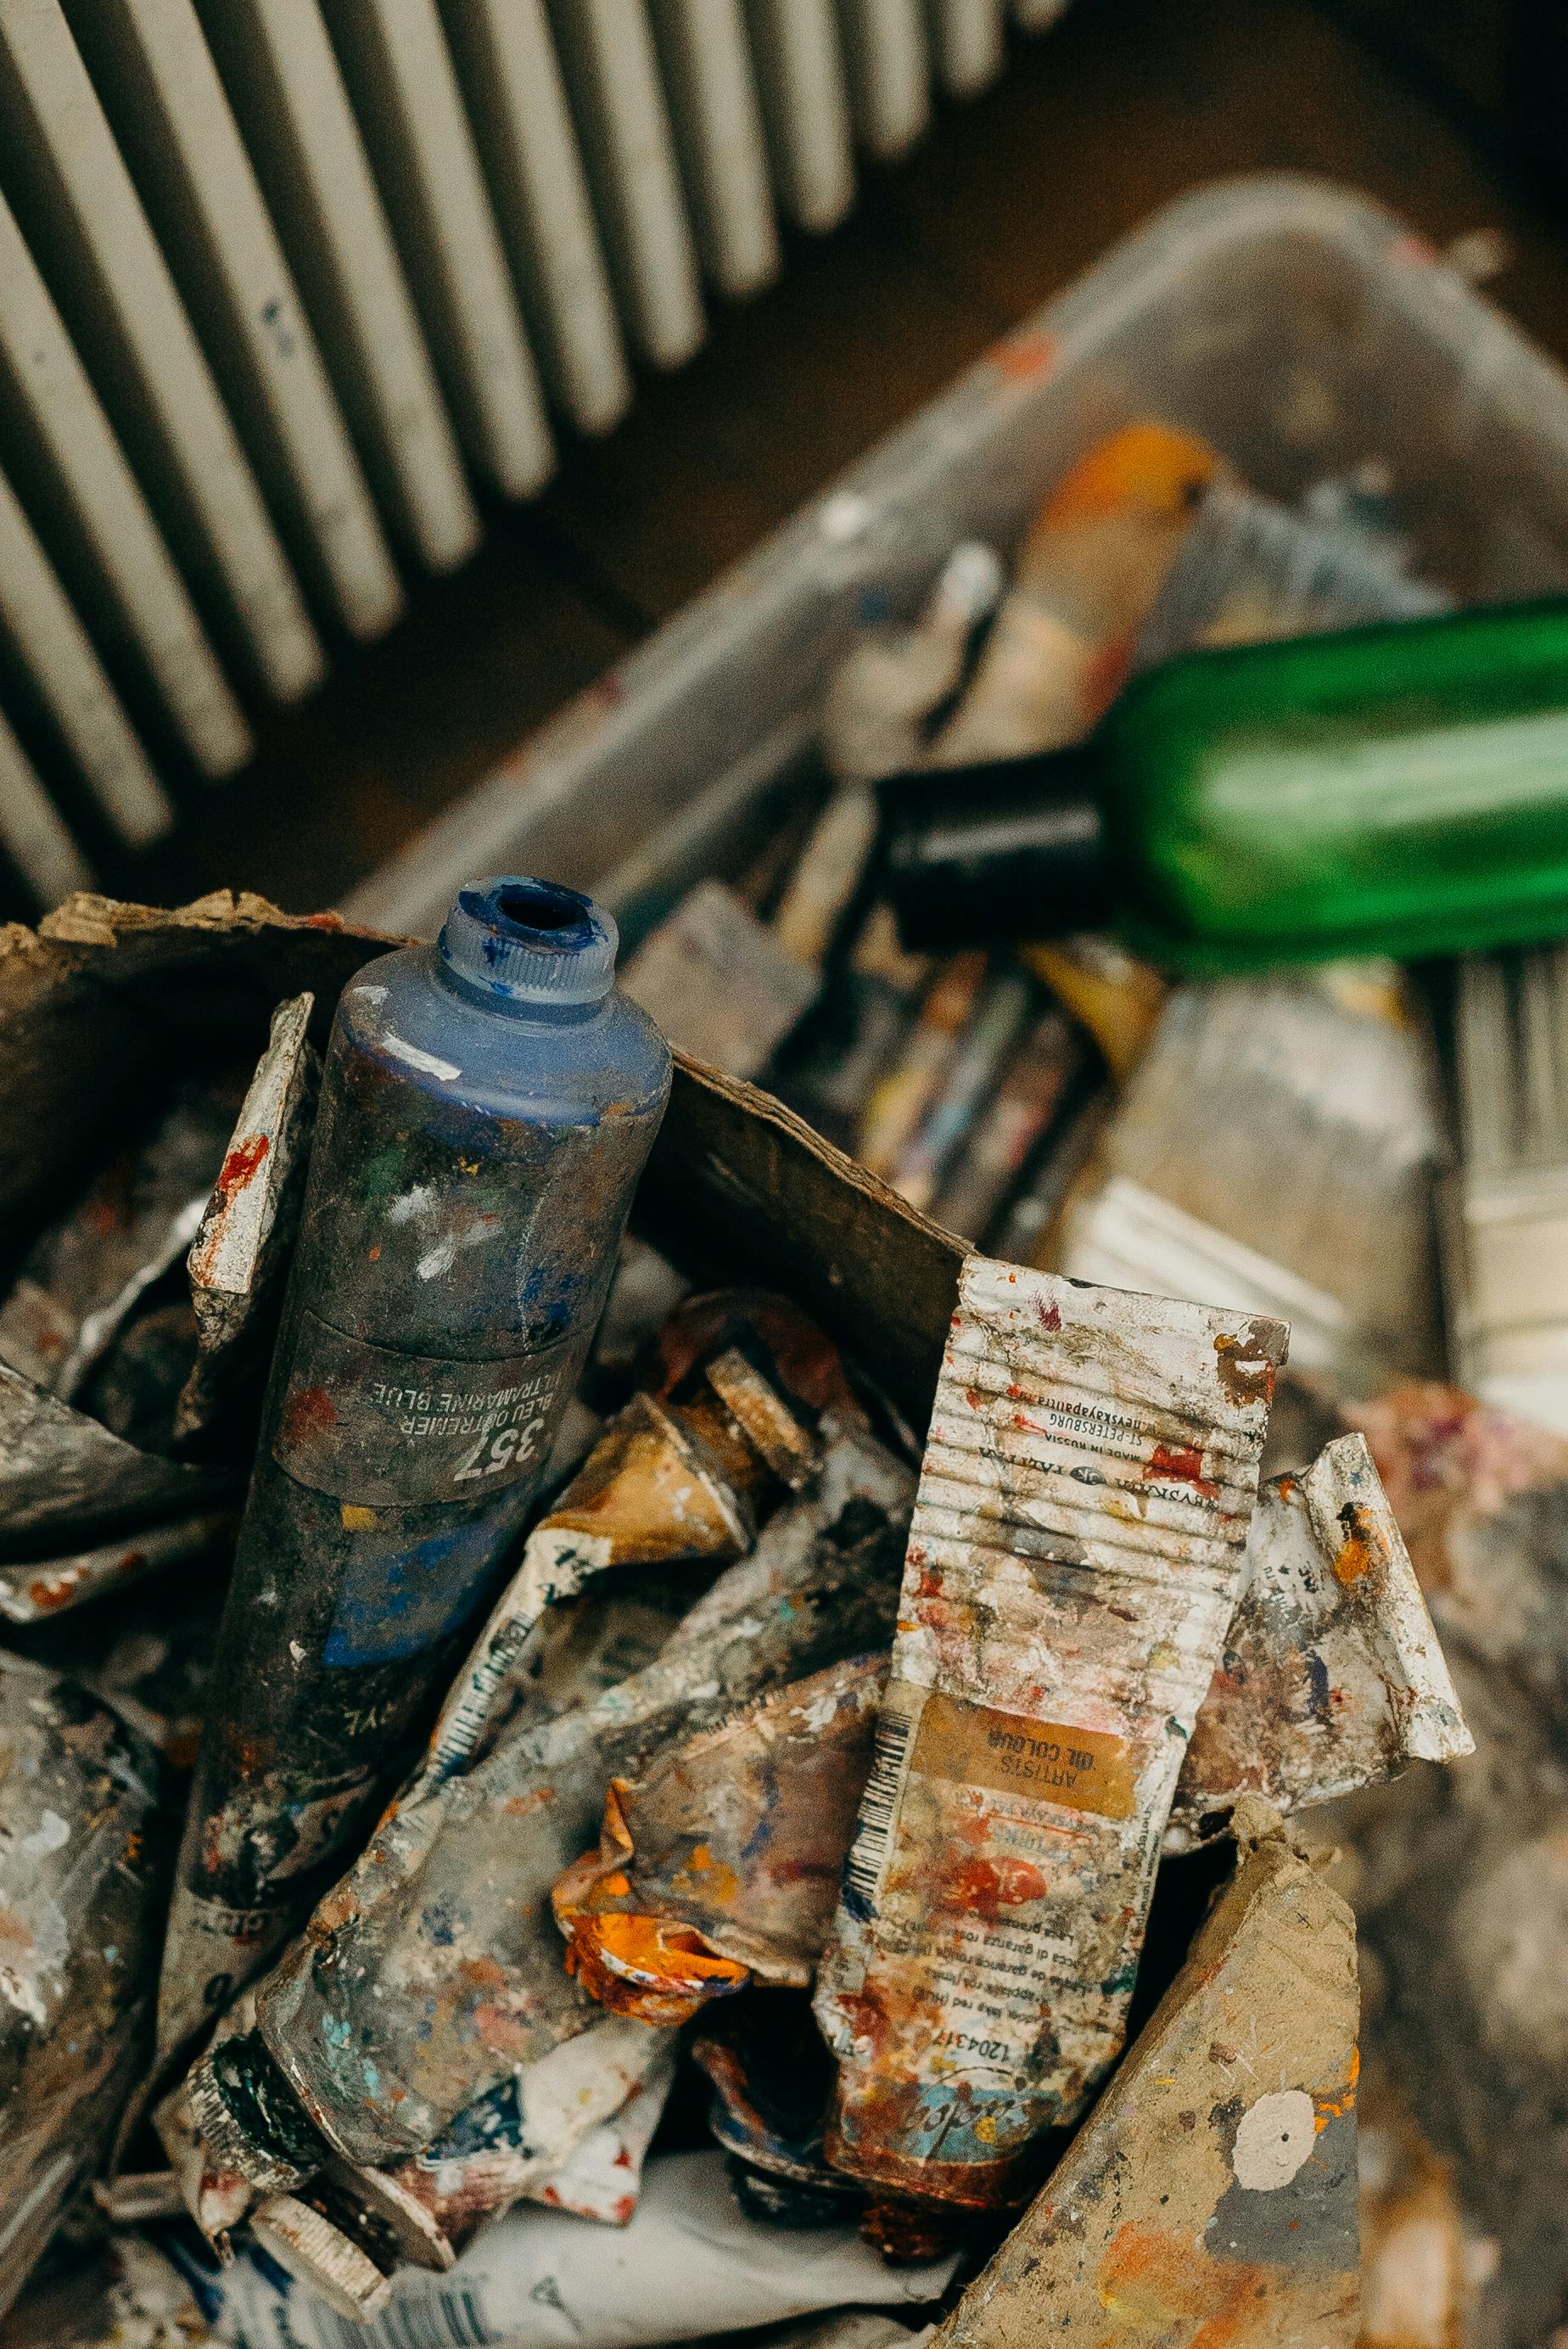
x: 1274, y: 2140
x: 416, y: 1058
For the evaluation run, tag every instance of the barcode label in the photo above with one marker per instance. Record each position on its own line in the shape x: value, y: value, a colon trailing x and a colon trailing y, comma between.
x: 442, y: 2320
x: 868, y: 1854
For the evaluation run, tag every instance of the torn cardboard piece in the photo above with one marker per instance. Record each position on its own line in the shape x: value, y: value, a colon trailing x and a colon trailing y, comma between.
x: 240, y: 1253
x: 1211, y: 2195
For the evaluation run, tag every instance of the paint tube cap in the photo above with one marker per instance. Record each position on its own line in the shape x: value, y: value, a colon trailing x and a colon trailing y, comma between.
x: 1015, y: 849
x: 523, y: 941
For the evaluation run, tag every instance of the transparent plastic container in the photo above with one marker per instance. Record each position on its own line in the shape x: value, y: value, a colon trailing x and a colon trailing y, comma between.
x: 1300, y: 328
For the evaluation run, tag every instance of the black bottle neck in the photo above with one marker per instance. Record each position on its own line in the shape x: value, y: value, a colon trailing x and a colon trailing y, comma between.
x: 974, y: 856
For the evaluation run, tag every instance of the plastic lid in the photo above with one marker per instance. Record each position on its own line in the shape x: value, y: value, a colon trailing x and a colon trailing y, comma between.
x: 975, y: 855
x: 528, y: 941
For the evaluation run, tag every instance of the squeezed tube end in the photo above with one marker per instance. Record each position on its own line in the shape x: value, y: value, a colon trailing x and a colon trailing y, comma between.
x: 249, y: 2118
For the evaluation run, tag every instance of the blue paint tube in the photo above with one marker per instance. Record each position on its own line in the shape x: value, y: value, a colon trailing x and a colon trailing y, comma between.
x: 486, y: 1107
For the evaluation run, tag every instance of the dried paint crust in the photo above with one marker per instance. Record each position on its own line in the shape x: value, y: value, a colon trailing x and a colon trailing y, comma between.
x: 1212, y: 2196
x: 1075, y: 1558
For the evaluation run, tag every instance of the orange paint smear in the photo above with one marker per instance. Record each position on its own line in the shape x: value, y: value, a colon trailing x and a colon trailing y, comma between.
x: 1359, y: 1551
x: 645, y: 1968
x: 1022, y: 357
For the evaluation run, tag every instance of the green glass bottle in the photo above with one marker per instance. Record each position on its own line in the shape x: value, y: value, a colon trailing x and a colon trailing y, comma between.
x: 1398, y: 790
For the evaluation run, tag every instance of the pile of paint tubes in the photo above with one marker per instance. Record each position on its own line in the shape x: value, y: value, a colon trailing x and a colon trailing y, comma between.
x: 641, y: 1845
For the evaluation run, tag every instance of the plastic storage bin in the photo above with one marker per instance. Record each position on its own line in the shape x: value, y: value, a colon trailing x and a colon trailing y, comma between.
x: 1303, y: 329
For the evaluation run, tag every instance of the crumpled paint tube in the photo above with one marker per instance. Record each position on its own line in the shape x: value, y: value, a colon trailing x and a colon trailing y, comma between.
x: 569, y: 2131
x: 241, y: 1251
x: 344, y: 2234
x: 46, y: 1587
x: 1075, y: 1558
x: 689, y: 2264
x: 219, y: 2196
x: 685, y: 1471
x: 1210, y: 2197
x: 433, y: 1969
x: 721, y: 1865
x: 85, y: 1851
x: 516, y: 2138
x: 712, y: 1867
x: 1331, y: 1677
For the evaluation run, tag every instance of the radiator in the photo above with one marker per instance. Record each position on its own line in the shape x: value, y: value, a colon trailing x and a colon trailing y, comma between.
x: 282, y: 281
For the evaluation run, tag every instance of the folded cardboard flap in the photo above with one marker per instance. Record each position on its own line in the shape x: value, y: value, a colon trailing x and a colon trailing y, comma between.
x: 103, y: 996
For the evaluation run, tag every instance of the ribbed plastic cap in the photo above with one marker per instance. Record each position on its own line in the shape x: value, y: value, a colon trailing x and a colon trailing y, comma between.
x: 529, y: 941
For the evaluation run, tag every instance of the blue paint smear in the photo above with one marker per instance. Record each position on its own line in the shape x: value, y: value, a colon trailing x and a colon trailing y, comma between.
x: 392, y: 1603
x: 493, y: 2120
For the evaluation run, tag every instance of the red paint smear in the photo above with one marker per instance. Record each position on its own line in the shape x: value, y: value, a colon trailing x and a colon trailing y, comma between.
x: 989, y: 1885
x: 1023, y: 357
x: 324, y: 921
x: 308, y: 1411
x: 243, y: 1163
x: 1182, y: 1463
x: 1050, y: 1314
